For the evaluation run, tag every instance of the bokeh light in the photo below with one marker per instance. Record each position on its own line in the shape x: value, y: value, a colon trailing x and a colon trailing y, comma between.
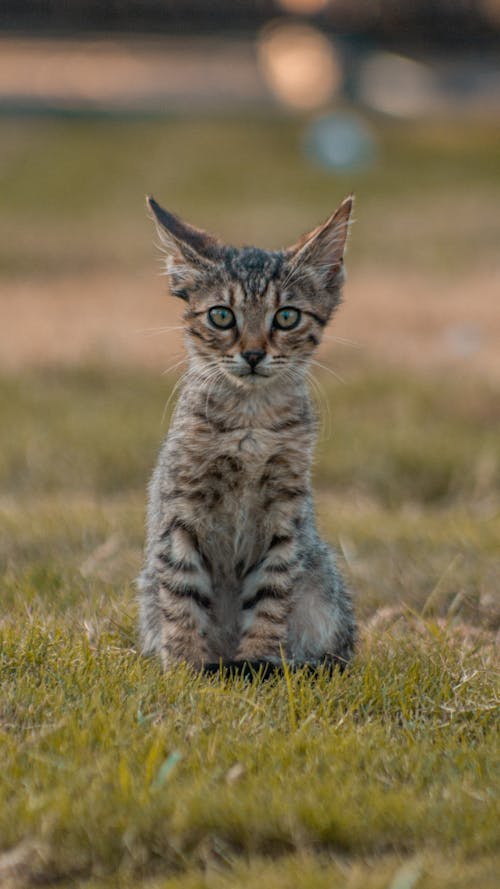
x: 299, y: 65
x: 340, y: 142
x: 397, y: 85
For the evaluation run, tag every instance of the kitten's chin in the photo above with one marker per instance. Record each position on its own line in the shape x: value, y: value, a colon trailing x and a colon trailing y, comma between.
x: 248, y: 380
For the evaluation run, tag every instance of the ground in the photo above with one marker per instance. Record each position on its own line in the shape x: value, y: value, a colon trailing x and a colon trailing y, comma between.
x: 115, y: 775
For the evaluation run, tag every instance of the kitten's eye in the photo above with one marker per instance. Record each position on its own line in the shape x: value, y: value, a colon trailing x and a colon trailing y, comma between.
x: 287, y: 318
x: 221, y: 316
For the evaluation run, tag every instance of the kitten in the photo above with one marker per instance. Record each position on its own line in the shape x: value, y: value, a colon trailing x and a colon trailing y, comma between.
x: 235, y: 570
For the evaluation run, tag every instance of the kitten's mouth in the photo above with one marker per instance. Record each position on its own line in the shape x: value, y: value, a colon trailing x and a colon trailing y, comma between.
x: 254, y: 372
x: 248, y: 374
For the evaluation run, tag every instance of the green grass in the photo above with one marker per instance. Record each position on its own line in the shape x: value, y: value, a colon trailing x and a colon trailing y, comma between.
x: 392, y: 436
x: 116, y: 775
x: 72, y: 191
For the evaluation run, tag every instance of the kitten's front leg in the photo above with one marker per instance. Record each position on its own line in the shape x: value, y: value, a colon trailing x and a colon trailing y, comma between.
x: 266, y: 600
x: 185, y: 595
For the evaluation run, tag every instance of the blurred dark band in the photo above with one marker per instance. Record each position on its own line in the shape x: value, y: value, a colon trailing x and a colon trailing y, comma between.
x: 422, y: 24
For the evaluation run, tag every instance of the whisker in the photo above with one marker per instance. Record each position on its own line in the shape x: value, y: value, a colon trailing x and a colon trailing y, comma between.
x: 172, y: 367
x: 323, y: 406
x: 342, y: 340
x: 328, y: 369
x: 196, y: 375
x: 154, y: 331
x: 216, y: 376
x: 182, y: 378
x: 302, y: 371
x: 174, y: 390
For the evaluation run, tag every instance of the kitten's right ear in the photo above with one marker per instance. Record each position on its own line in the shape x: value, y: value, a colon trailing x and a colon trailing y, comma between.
x: 190, y: 253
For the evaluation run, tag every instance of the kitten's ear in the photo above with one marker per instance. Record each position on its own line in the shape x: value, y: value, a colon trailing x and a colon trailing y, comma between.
x: 322, y: 250
x: 190, y: 253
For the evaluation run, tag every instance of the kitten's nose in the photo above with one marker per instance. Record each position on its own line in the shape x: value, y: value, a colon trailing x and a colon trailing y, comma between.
x: 253, y: 356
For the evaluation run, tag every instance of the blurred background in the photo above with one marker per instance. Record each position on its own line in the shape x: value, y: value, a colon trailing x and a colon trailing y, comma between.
x: 253, y: 120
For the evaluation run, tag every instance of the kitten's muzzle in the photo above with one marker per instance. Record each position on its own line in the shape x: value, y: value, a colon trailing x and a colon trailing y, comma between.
x: 253, y: 356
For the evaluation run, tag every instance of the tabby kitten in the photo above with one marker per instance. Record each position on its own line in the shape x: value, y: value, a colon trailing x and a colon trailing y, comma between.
x: 235, y: 569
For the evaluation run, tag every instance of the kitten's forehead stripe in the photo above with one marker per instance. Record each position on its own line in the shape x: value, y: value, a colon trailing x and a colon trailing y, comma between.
x: 253, y: 268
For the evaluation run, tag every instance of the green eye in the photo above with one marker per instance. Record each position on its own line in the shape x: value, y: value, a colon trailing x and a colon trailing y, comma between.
x: 221, y: 316
x: 287, y: 318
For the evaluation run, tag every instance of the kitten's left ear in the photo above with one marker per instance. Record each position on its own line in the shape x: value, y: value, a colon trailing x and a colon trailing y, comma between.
x: 322, y: 250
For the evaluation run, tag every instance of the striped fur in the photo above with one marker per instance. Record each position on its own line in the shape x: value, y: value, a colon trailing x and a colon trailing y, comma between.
x: 235, y: 569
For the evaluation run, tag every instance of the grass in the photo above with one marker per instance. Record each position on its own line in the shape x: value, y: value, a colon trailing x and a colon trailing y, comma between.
x: 395, y: 436
x: 72, y: 190
x: 116, y: 775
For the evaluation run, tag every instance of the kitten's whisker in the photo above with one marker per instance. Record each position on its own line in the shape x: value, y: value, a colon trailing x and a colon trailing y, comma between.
x: 172, y: 367
x: 174, y: 390
x: 342, y: 340
x: 154, y: 331
x: 318, y: 393
x: 329, y: 370
x: 180, y: 381
x: 323, y: 405
x: 204, y: 375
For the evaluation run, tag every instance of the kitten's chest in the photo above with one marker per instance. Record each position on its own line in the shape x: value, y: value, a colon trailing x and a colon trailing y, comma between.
x: 238, y: 515
x: 233, y: 483
x: 235, y: 468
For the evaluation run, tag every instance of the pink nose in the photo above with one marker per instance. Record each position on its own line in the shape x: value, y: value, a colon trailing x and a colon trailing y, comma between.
x: 253, y: 356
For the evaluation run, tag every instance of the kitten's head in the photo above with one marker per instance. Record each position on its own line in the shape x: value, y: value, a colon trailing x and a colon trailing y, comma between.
x: 255, y: 314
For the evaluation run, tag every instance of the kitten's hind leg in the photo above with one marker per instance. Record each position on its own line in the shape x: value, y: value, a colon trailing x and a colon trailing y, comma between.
x: 321, y: 622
